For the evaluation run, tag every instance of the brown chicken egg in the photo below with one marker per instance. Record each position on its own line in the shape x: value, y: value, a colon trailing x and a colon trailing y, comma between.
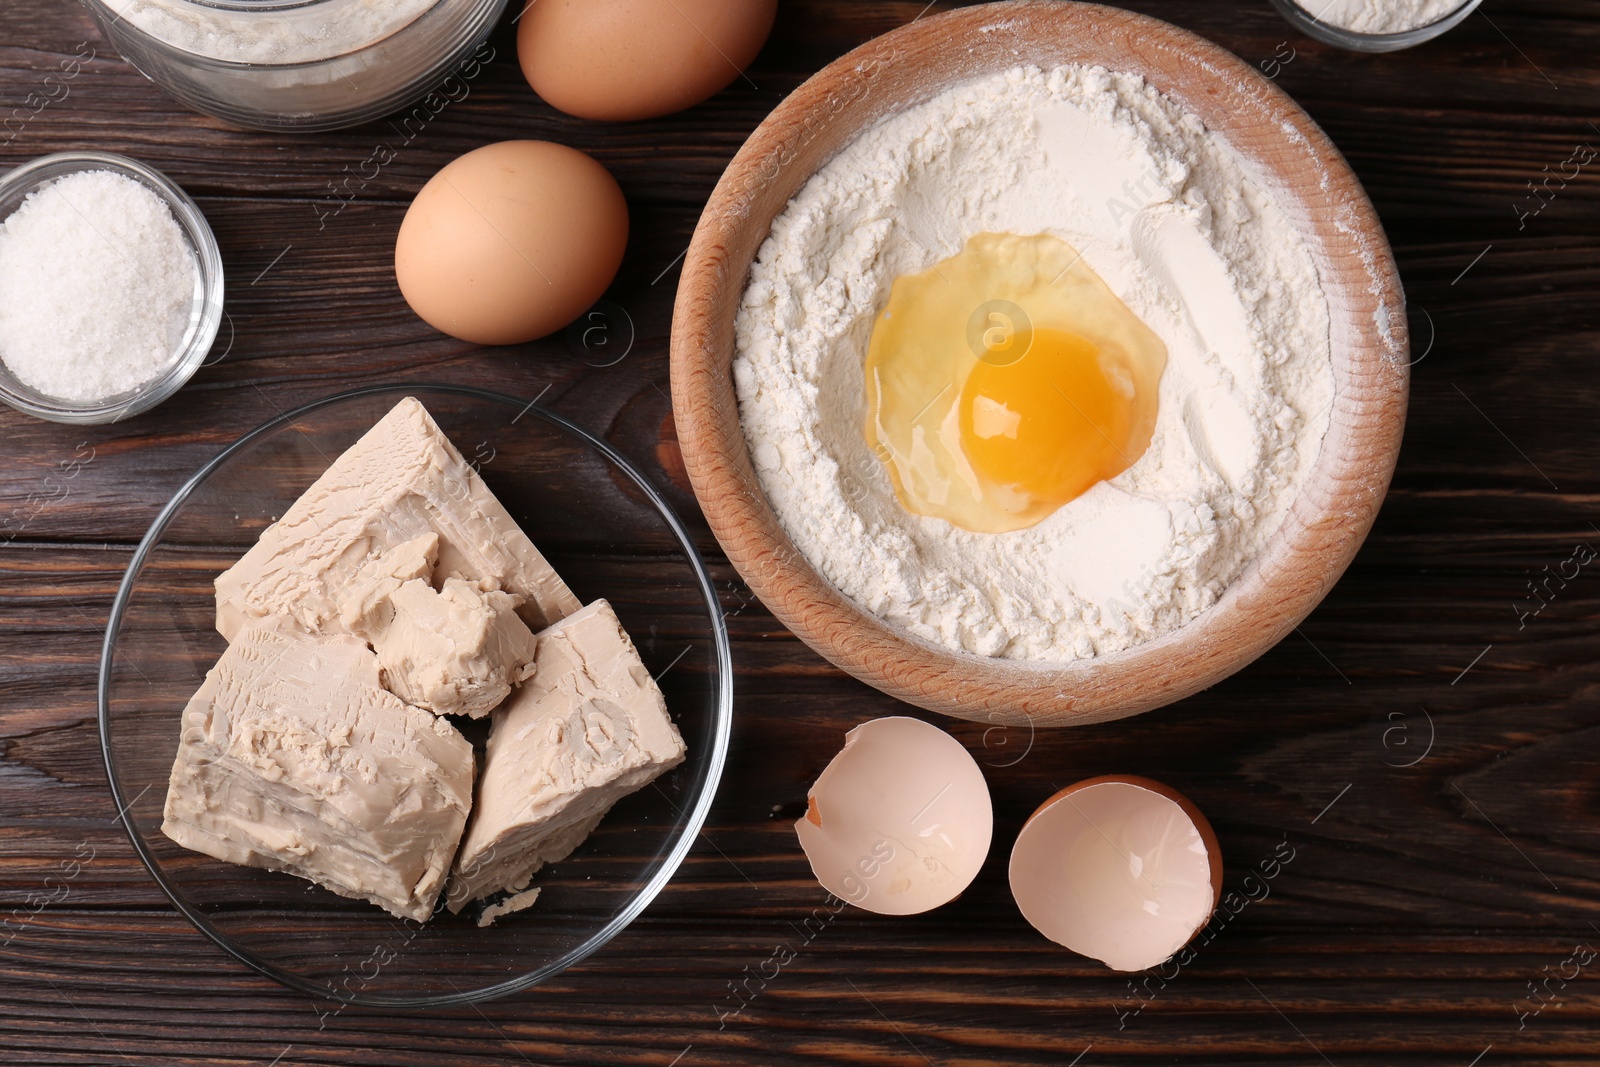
x: 636, y: 59
x: 899, y: 822
x: 511, y: 242
x: 1120, y: 868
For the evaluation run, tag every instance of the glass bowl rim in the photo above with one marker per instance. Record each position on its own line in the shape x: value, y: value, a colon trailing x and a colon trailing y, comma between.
x: 688, y: 831
x: 197, y: 232
x: 1297, y: 15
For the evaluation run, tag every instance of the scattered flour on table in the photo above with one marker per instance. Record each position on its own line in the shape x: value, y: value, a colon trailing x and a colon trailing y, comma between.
x: 97, y: 284
x: 1379, y: 16
x: 1167, y: 215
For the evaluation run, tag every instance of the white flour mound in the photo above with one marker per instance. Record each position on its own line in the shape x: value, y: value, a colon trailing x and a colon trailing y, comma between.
x: 305, y: 33
x: 1379, y: 16
x: 1166, y: 214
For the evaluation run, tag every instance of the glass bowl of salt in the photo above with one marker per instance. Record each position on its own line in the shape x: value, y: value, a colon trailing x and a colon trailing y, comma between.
x: 1375, y: 25
x: 110, y: 287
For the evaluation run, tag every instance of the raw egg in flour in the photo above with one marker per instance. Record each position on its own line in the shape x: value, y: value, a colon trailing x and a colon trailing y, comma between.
x: 1007, y: 380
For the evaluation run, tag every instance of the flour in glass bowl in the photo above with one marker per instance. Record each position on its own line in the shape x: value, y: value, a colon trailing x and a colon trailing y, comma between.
x: 1379, y: 16
x: 1168, y: 215
x: 270, y: 34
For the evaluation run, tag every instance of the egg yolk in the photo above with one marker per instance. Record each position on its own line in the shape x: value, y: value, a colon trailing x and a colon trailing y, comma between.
x: 1006, y: 381
x: 1051, y: 424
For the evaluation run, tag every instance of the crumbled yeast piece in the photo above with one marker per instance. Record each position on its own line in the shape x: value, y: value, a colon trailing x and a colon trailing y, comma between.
x: 292, y: 757
x: 514, y: 903
x: 589, y: 728
x: 402, y: 480
x: 457, y: 650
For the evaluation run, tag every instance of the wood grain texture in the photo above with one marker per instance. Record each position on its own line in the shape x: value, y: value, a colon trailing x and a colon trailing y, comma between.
x: 1417, y: 907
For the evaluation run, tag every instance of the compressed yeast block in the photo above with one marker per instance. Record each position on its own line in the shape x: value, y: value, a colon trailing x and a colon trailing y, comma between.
x: 292, y: 757
x: 589, y: 728
x: 401, y: 480
x: 455, y: 650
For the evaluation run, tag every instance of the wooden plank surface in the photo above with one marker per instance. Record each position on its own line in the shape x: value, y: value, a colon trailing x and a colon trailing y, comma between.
x: 1422, y: 899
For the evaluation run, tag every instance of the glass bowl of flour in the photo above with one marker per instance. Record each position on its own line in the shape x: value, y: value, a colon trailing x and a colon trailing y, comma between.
x: 1375, y: 25
x: 111, y: 288
x: 303, y: 64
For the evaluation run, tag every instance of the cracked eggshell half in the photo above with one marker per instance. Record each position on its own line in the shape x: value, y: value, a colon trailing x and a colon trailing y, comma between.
x: 1121, y: 869
x: 899, y: 822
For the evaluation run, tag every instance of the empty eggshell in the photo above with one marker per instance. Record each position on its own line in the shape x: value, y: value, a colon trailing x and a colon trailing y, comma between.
x: 1121, y: 869
x: 636, y: 59
x: 899, y: 821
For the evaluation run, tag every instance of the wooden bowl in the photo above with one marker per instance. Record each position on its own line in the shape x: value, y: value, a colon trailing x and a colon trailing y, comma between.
x: 1286, y: 152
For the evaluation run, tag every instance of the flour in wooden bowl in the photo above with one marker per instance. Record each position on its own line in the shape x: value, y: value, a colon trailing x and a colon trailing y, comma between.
x: 1380, y: 16
x: 1168, y: 215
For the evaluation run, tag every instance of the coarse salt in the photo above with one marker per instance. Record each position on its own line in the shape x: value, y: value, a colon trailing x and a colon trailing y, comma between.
x: 97, y: 286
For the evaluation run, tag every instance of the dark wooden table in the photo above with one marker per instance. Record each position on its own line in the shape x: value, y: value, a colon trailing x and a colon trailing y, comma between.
x: 1428, y: 744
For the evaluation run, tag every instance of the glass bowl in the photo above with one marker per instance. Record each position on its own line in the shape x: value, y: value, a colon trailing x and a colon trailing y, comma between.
x: 599, y: 523
x: 306, y: 65
x: 1303, y: 17
x: 205, y: 314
